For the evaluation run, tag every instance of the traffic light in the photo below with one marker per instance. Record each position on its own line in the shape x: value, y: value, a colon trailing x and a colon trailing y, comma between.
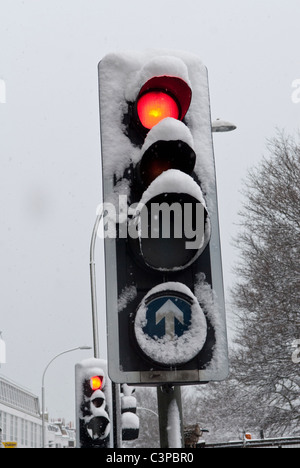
x: 164, y: 286
x: 129, y: 420
x: 93, y: 402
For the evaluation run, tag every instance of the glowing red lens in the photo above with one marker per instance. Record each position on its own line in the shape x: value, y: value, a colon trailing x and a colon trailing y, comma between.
x: 96, y: 382
x: 154, y: 106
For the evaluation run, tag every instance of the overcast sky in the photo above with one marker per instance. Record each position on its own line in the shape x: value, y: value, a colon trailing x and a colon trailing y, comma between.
x: 50, y: 178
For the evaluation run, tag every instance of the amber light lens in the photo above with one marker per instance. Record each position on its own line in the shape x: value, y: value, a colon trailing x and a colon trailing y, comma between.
x: 154, y: 106
x: 96, y: 382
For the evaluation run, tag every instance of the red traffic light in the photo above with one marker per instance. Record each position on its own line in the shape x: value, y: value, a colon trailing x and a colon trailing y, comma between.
x: 161, y: 97
x: 154, y: 106
x: 96, y: 382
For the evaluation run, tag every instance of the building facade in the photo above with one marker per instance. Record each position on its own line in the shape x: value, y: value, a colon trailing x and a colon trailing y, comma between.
x: 20, y: 418
x: 21, y: 422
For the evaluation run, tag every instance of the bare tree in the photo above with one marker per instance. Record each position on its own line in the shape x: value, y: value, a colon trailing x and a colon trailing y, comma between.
x: 267, y: 293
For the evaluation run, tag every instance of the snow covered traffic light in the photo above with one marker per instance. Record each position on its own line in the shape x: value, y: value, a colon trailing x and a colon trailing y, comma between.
x: 164, y: 287
x: 130, y: 423
x: 93, y: 401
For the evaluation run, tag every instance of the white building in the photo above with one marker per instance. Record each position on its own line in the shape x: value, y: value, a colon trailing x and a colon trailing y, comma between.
x: 60, y: 436
x: 20, y: 418
x: 21, y: 422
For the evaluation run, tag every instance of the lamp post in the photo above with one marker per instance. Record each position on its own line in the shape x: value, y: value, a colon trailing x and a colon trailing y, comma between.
x: 43, y: 387
x: 93, y: 285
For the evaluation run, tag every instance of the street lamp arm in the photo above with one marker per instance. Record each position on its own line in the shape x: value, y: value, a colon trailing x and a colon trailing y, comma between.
x: 63, y: 352
x: 147, y: 409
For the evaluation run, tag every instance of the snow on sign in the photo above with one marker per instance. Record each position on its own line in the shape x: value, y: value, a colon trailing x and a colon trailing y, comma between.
x: 164, y: 286
x: 170, y: 326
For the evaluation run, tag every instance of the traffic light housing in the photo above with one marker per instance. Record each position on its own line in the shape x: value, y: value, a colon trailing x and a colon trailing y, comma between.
x: 164, y: 286
x: 130, y: 423
x: 93, y: 404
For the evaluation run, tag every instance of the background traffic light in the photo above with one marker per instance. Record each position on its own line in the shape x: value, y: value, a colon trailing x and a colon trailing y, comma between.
x: 130, y: 423
x: 164, y: 287
x: 93, y: 404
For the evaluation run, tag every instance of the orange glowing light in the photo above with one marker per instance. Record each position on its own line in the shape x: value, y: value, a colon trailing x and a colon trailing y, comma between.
x: 96, y: 382
x: 154, y: 106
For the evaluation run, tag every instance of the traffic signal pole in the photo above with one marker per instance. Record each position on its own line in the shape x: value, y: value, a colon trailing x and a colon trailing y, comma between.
x: 170, y: 416
x: 116, y: 415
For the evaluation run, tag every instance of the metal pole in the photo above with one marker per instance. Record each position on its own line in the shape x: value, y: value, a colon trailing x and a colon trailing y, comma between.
x: 93, y: 286
x: 170, y: 416
x: 115, y: 388
x: 116, y: 416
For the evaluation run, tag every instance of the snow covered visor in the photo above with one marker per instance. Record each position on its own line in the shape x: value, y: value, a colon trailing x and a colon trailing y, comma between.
x: 161, y: 152
x: 170, y: 226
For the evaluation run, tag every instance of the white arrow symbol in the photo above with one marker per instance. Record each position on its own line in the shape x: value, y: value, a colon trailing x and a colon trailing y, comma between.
x: 169, y: 311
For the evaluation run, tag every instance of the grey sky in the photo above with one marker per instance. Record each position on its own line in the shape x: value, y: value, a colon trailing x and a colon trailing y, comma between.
x: 50, y: 178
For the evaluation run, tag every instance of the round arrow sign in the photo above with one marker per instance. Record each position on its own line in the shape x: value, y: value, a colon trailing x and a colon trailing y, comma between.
x: 170, y: 326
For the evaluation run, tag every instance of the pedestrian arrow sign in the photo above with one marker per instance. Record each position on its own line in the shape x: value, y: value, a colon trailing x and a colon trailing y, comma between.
x: 168, y: 315
x: 170, y: 327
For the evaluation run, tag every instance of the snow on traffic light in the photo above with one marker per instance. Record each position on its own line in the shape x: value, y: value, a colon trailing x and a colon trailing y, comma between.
x: 93, y: 404
x: 164, y: 286
x: 130, y: 423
